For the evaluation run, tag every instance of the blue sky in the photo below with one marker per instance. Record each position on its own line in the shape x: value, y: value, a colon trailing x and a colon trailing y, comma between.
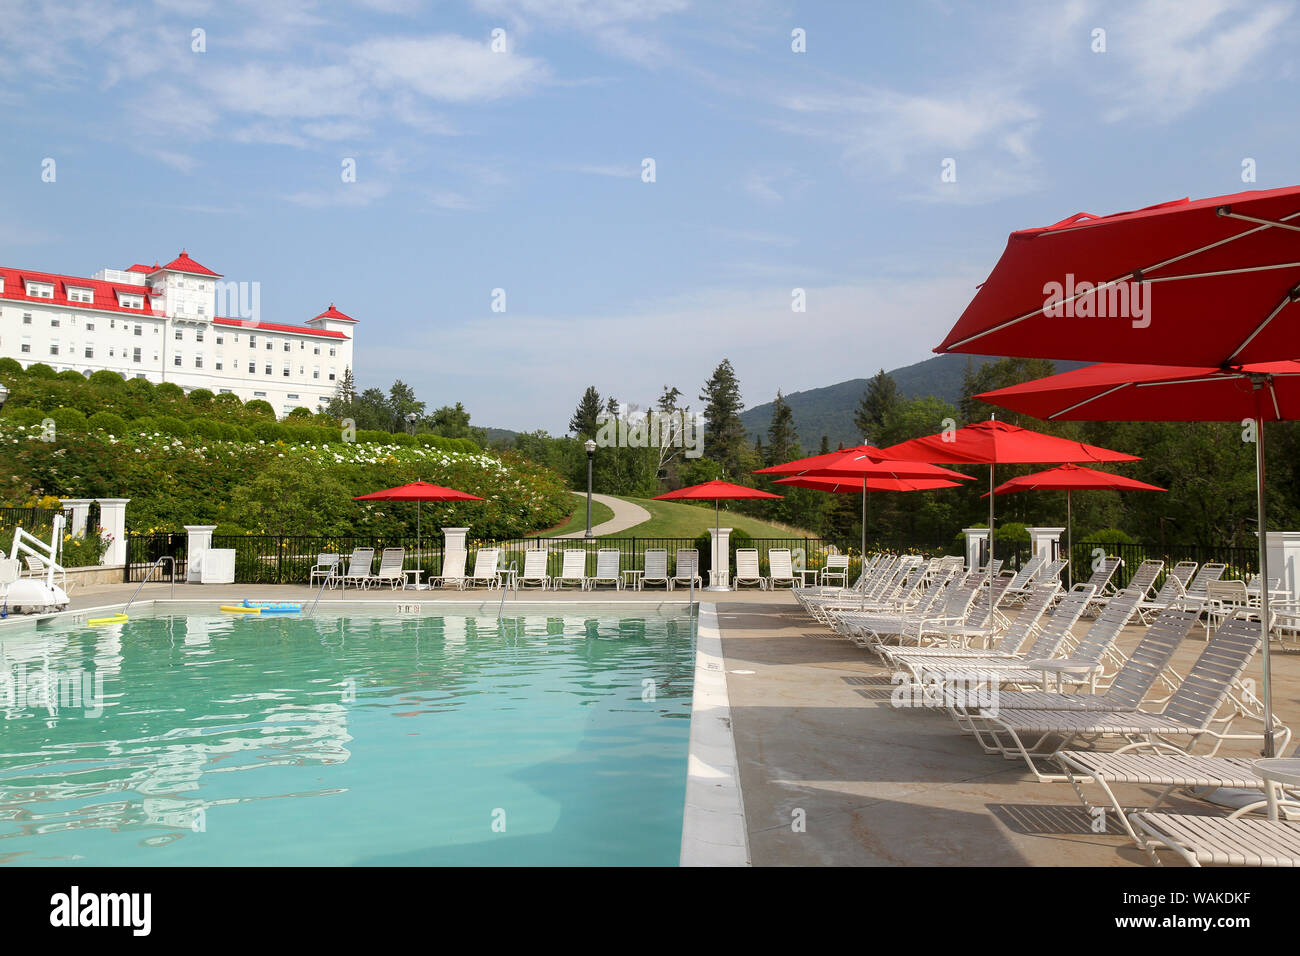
x: 522, y: 170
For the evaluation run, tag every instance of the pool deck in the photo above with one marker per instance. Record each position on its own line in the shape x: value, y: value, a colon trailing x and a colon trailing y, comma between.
x: 830, y: 773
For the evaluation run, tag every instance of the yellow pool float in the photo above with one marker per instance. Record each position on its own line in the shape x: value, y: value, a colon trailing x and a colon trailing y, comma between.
x: 111, y: 619
x: 237, y: 609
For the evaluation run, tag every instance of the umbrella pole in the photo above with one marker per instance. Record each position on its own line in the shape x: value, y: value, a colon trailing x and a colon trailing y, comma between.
x: 1069, y: 542
x: 863, y: 555
x: 991, y: 496
x: 1269, y: 746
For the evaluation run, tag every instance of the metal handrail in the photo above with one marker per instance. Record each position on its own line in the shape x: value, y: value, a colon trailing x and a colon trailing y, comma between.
x: 513, y: 571
x: 324, y: 584
x: 152, y: 568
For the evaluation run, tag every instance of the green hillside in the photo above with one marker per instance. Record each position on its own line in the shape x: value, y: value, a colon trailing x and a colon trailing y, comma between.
x: 829, y: 411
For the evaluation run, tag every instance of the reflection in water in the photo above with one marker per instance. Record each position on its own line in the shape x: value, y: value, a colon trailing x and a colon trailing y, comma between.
x: 186, y: 705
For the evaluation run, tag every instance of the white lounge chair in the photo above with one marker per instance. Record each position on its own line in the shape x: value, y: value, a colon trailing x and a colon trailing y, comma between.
x: 390, y: 569
x: 534, y: 574
x: 747, y: 569
x: 485, y: 568
x: 358, y: 572
x: 324, y: 570
x: 1220, y: 841
x: 836, y: 568
x: 573, y: 569
x: 780, y: 568
x: 1191, y: 711
x: 1171, y: 593
x: 453, y: 571
x: 656, y: 569
x: 607, y: 569
x: 687, y: 569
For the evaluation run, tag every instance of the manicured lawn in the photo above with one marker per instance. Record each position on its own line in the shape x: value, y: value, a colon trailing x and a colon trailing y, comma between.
x: 672, y: 519
x: 578, y: 522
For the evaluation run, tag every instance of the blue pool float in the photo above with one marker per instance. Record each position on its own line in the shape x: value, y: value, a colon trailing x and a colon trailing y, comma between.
x: 274, y: 607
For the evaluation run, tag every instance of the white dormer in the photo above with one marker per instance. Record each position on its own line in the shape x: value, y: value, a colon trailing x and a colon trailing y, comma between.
x: 40, y: 290
x: 82, y: 295
x: 128, y: 300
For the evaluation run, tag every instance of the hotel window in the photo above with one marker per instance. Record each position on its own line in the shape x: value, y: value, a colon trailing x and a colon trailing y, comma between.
x: 315, y: 371
x: 40, y: 290
x: 269, y: 345
x: 90, y: 326
x: 252, y: 368
x: 81, y: 295
x: 221, y: 339
x: 293, y: 397
x: 302, y: 346
x: 287, y: 346
x: 27, y: 318
x: 198, y: 361
x: 112, y: 323
x: 333, y: 351
x: 219, y: 365
x: 176, y: 359
x: 225, y: 391
x: 198, y: 335
x: 268, y: 369
x: 110, y: 351
x: 315, y: 350
x: 131, y: 301
x: 90, y: 351
x: 259, y: 394
x: 302, y: 370
x: 135, y: 355
x: 139, y: 330
x: 203, y: 310
x: 180, y: 335
x: 286, y: 369
x: 26, y: 346
x: 54, y: 348
x: 331, y: 375
x: 252, y: 341
x: 54, y: 322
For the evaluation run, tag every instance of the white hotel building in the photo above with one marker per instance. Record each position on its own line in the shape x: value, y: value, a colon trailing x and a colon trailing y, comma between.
x: 161, y: 323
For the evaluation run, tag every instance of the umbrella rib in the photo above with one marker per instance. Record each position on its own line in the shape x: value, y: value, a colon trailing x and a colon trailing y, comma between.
x: 1286, y: 300
x: 1106, y: 285
x: 1267, y: 223
x: 1091, y: 398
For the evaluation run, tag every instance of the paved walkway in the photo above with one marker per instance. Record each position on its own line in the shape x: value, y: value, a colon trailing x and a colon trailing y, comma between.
x: 626, y: 515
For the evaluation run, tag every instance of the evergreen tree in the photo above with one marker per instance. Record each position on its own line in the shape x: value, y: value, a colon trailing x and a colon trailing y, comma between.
x: 782, y: 440
x: 724, y: 436
x: 878, y: 400
x: 1000, y: 374
x: 402, y: 402
x: 584, y: 421
x: 825, y: 448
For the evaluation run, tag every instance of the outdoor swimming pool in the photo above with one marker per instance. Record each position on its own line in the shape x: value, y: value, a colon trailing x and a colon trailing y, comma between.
x: 190, y: 737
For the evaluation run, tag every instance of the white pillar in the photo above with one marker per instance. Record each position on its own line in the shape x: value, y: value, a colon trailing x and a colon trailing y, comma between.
x: 1284, y: 559
x: 976, y: 538
x: 199, y: 541
x: 720, y: 566
x: 453, y: 539
x: 112, y: 518
x: 80, y: 512
x: 1045, y: 541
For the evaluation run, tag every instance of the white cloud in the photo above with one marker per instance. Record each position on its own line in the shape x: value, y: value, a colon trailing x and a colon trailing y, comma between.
x: 1172, y: 54
x: 611, y: 170
x: 344, y: 194
x: 880, y: 322
x: 445, y: 67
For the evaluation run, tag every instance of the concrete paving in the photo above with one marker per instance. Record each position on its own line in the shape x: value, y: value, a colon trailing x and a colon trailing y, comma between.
x: 818, y: 741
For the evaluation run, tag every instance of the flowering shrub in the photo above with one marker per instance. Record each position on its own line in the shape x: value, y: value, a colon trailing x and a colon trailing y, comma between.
x: 173, y: 481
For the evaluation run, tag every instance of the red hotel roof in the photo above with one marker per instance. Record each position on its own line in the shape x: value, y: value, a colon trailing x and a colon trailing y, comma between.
x: 183, y: 263
x: 105, y: 292
x: 333, y: 313
x: 271, y: 327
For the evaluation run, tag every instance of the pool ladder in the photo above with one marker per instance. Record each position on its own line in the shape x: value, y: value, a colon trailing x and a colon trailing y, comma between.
x: 152, y: 568
x: 513, y: 578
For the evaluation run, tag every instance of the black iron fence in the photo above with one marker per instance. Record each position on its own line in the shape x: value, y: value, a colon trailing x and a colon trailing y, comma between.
x: 288, y: 559
x: 35, y: 521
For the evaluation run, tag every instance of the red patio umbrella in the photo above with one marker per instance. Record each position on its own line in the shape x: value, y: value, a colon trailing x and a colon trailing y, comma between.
x: 418, y: 491
x: 715, y: 491
x: 1070, y: 478
x: 1216, y: 280
x: 996, y: 443
x: 1263, y: 392
x: 863, y: 462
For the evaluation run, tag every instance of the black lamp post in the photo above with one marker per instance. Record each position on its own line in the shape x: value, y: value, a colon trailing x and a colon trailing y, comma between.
x: 591, y: 454
x: 410, y: 422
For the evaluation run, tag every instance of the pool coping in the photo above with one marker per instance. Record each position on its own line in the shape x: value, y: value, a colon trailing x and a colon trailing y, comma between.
x: 713, y: 824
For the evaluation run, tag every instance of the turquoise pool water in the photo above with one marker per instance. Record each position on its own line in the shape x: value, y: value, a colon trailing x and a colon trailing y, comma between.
x: 196, y: 738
